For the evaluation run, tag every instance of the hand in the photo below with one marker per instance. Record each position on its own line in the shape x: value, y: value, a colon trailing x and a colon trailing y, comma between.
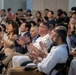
x: 26, y: 39
x: 31, y: 56
x: 44, y: 53
x: 43, y: 46
x: 29, y: 49
x: 21, y: 42
x: 14, y: 37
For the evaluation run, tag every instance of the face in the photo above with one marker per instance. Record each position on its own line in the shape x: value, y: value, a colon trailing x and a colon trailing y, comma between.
x: 33, y: 32
x: 22, y: 27
x: 46, y: 12
x: 28, y: 13
x: 73, y: 16
x: 49, y: 15
x: 42, y: 28
x: 19, y: 12
x: 10, y: 28
x: 54, y: 37
x: 37, y: 15
x: 2, y: 12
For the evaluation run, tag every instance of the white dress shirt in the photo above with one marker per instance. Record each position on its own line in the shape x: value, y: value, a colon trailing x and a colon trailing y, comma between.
x: 58, y: 54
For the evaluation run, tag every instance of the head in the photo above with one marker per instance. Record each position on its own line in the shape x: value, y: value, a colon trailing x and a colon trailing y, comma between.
x: 60, y: 13
x: 33, y: 23
x: 50, y: 14
x: 3, y: 12
x: 28, y: 13
x: 73, y: 9
x: 46, y: 11
x: 43, y: 28
x: 34, y: 31
x: 59, y: 36
x: 51, y: 27
x: 20, y: 11
x: 12, y: 27
x: 73, y: 15
x: 38, y: 14
x: 9, y: 10
x: 25, y: 26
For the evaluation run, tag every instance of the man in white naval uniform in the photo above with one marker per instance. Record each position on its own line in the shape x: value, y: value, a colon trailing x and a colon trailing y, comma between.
x: 58, y: 54
x: 44, y: 37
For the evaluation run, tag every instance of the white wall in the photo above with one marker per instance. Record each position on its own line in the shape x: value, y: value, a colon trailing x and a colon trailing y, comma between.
x: 71, y: 4
x: 29, y: 4
x: 14, y: 4
x: 1, y: 4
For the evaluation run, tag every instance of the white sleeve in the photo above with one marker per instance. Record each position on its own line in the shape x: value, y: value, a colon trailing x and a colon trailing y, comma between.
x: 49, y: 62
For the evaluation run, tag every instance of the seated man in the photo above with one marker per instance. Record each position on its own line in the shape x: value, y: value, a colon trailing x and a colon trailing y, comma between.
x: 58, y: 54
x: 24, y: 31
x: 44, y: 37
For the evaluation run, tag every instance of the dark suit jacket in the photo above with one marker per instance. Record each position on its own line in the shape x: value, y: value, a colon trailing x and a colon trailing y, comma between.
x: 19, y: 48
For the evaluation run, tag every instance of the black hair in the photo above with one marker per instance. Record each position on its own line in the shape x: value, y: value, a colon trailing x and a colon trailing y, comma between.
x: 9, y: 9
x: 73, y: 8
x: 0, y: 29
x: 73, y: 13
x: 51, y: 12
x: 65, y: 13
x: 61, y: 33
x: 46, y: 24
x: 39, y: 13
x: 20, y: 10
x: 28, y: 25
x: 66, y: 20
x: 3, y: 10
x: 15, y: 26
x: 59, y: 12
x: 47, y: 9
x: 34, y: 23
x: 4, y: 27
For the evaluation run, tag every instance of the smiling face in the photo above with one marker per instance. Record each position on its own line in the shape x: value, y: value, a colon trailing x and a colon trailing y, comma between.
x: 23, y: 27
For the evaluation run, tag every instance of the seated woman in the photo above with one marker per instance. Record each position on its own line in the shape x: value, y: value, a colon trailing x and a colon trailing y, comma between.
x: 12, y: 29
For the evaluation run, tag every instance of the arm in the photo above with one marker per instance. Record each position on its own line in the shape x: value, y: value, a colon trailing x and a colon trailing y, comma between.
x: 49, y: 62
x: 73, y: 53
x: 8, y: 42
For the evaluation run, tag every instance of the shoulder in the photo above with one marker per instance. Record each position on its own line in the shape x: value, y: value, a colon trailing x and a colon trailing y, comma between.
x: 27, y: 33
